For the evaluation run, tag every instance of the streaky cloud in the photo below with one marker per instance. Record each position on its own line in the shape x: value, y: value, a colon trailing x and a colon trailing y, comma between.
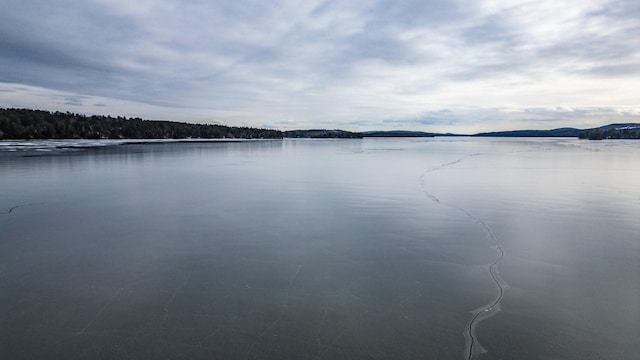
x: 326, y: 63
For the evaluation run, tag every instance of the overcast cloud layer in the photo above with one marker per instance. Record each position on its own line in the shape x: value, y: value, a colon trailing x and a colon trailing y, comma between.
x: 461, y: 66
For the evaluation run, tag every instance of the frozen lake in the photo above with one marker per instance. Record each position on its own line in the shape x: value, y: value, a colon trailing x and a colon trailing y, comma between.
x: 432, y: 248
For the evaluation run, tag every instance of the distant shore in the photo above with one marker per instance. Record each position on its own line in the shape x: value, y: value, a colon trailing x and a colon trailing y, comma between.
x: 27, y: 124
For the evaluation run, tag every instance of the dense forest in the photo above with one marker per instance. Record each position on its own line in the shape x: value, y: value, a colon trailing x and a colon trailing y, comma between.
x: 38, y: 124
x: 322, y: 134
x: 611, y: 131
x: 615, y: 131
x: 397, y: 133
x: 561, y: 132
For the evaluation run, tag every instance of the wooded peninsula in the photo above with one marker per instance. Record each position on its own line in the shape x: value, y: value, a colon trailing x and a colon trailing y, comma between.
x: 39, y: 124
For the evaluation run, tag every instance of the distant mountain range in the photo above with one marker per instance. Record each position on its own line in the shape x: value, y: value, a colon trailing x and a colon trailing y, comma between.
x: 611, y: 131
x: 561, y: 132
x: 38, y: 124
x: 397, y: 133
x: 321, y: 134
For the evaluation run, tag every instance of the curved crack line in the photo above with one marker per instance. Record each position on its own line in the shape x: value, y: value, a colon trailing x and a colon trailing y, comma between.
x: 492, y: 308
x: 440, y: 167
x: 19, y: 206
x: 472, y: 345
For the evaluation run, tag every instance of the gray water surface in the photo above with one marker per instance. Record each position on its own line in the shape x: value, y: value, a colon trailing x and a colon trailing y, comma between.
x: 321, y: 249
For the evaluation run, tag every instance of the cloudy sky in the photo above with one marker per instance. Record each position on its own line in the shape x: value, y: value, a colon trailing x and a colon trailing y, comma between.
x: 460, y: 66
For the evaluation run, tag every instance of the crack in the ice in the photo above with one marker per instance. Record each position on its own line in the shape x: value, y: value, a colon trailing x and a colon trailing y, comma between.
x: 99, y: 313
x: 472, y: 345
x: 440, y: 167
x: 19, y: 206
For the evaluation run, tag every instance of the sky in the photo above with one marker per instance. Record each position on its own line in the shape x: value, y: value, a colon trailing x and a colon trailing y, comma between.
x: 442, y: 66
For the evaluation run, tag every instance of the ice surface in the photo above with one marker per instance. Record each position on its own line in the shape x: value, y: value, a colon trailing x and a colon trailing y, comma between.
x: 375, y: 248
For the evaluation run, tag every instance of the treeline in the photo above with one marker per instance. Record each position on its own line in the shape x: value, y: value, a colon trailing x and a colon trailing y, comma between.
x: 613, y: 133
x: 38, y: 124
x: 322, y: 134
x: 397, y: 133
x: 561, y: 132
